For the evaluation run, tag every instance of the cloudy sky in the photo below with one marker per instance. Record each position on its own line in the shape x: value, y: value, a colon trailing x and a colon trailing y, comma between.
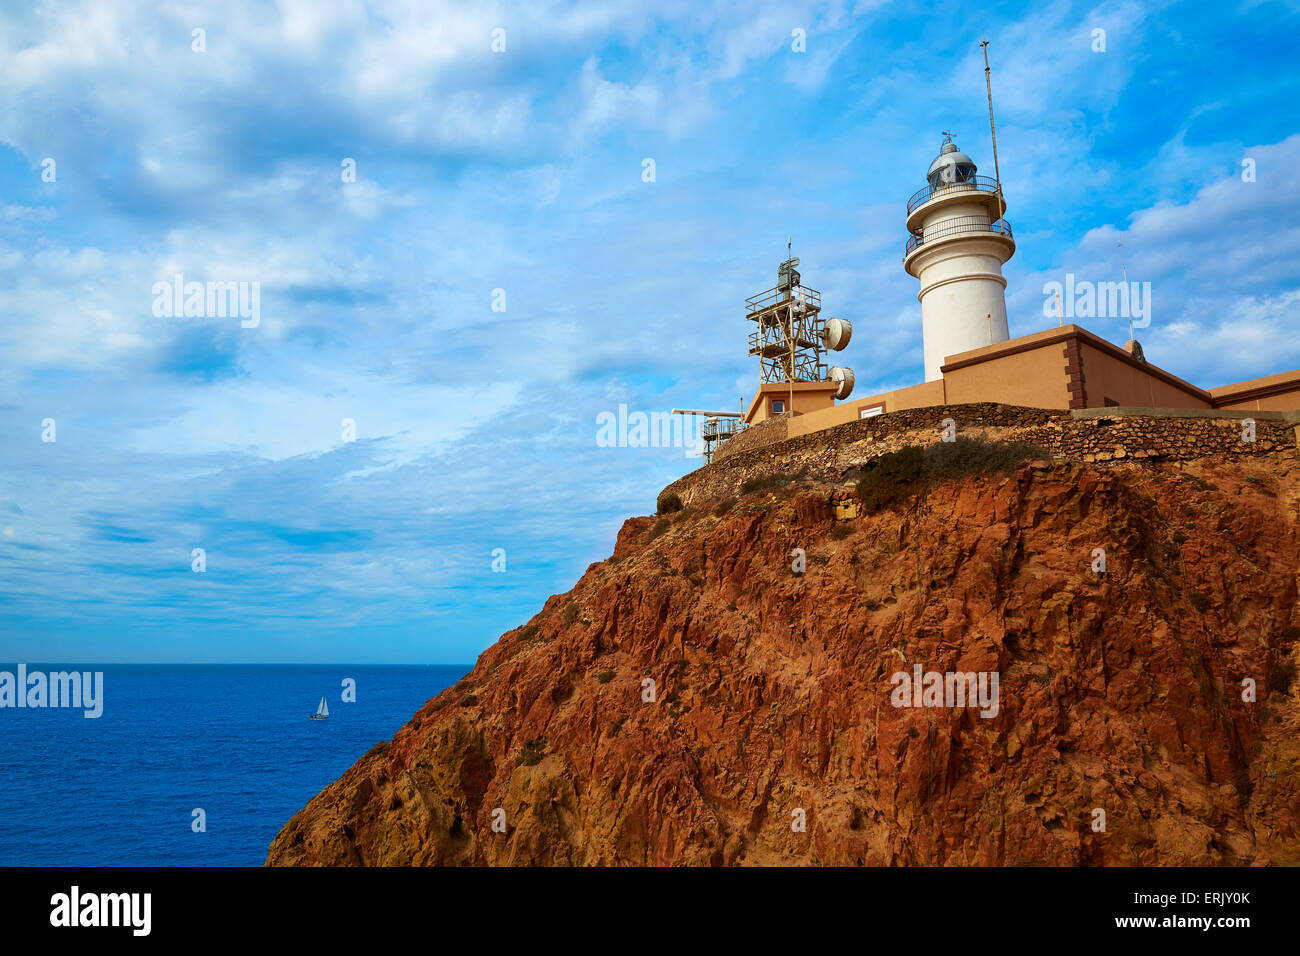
x: 133, y: 149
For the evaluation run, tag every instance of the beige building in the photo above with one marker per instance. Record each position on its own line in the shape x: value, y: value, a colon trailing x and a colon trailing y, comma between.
x: 1066, y: 367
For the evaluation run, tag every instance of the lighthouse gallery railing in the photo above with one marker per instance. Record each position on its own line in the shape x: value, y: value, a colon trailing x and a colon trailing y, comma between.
x: 953, y: 227
x: 979, y: 183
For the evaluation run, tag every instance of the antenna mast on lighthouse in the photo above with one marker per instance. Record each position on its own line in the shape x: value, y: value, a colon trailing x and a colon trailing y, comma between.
x: 988, y: 83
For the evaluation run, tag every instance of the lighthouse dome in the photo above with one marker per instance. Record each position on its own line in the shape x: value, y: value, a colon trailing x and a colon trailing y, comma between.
x: 950, y: 166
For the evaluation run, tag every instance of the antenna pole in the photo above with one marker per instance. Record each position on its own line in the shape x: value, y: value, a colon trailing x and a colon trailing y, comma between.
x: 791, y: 408
x: 988, y: 83
x: 789, y: 252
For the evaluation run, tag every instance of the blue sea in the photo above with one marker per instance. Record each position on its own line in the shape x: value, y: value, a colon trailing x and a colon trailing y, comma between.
x: 234, y: 741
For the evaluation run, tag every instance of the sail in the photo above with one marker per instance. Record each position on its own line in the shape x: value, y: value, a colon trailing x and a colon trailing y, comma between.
x: 323, y: 710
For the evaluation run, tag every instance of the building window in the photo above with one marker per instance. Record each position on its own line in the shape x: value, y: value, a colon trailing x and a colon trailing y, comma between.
x: 871, y: 411
x: 778, y: 406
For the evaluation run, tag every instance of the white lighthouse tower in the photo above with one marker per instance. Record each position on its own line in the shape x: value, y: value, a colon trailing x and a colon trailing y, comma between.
x: 957, y: 244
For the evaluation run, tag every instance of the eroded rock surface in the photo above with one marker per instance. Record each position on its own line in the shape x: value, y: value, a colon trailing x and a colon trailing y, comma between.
x: 1120, y: 691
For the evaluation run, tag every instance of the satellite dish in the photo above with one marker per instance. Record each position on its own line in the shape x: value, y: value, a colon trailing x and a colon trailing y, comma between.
x: 845, y: 378
x: 836, y: 334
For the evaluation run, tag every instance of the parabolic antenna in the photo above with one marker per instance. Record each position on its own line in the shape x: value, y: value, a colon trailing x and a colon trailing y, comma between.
x: 836, y: 334
x: 844, y: 376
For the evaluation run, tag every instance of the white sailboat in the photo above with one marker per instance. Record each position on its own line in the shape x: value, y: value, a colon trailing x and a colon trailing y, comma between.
x: 323, y: 711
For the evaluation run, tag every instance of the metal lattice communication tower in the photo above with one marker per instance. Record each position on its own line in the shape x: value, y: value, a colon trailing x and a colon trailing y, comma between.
x: 716, y: 431
x: 718, y: 427
x: 788, y: 340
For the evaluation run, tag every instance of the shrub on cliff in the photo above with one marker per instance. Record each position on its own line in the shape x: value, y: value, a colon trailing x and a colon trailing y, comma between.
x: 531, y: 753
x: 668, y: 503
x: 891, y: 478
x: 899, y: 475
x: 974, y: 456
x: 763, y: 482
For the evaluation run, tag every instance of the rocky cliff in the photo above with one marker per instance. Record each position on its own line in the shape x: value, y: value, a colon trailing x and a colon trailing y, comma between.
x: 695, y: 699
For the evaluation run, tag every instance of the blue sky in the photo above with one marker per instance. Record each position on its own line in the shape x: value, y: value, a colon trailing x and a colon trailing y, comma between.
x: 522, y: 171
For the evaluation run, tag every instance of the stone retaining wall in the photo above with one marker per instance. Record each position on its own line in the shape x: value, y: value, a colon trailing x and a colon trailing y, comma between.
x: 767, y: 432
x: 829, y: 455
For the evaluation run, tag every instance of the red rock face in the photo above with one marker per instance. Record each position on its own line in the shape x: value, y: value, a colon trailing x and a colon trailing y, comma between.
x: 1119, y: 692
